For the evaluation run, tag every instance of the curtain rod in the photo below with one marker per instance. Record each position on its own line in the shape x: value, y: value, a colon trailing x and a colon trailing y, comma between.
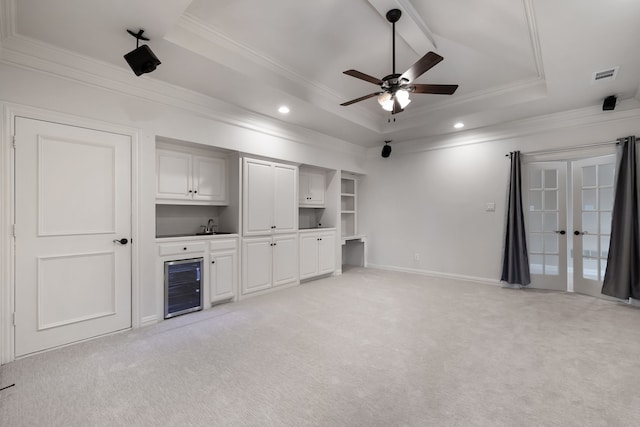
x: 576, y: 147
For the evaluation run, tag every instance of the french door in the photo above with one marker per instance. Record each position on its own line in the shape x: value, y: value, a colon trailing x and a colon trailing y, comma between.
x: 594, y: 181
x: 546, y: 224
x: 568, y: 222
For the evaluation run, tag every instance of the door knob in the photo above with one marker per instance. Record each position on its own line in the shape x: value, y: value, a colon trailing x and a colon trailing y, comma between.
x: 560, y: 232
x: 122, y: 241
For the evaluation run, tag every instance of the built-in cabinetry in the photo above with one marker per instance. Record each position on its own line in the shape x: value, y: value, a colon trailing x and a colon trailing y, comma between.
x: 219, y: 252
x: 223, y: 269
x: 311, y: 187
x: 270, y: 225
x: 348, y: 204
x: 269, y: 261
x: 186, y: 178
x: 317, y: 252
x: 269, y: 198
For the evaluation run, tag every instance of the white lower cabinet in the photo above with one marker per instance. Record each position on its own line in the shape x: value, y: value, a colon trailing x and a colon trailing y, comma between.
x: 223, y: 270
x: 317, y: 253
x: 268, y: 262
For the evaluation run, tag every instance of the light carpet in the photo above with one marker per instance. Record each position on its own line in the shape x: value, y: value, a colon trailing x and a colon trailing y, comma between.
x: 368, y: 348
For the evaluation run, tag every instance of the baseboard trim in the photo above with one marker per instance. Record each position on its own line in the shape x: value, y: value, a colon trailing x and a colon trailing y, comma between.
x: 149, y: 320
x: 438, y: 274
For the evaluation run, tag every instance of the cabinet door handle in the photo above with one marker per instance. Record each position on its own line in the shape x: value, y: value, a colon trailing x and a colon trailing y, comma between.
x: 578, y: 233
x: 190, y: 191
x: 560, y: 232
x: 122, y: 241
x: 184, y: 249
x: 195, y: 191
x: 213, y: 262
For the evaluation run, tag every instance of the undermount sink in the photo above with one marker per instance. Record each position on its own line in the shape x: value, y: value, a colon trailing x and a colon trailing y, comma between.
x: 209, y: 234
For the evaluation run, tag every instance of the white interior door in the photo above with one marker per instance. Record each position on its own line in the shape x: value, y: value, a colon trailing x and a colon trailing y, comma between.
x: 545, y: 206
x: 72, y: 202
x: 593, y: 192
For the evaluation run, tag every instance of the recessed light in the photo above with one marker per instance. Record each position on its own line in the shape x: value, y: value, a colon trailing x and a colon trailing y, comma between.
x: 284, y: 109
x: 459, y: 125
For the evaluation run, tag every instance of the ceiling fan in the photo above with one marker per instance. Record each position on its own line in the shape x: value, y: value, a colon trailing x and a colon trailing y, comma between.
x: 395, y: 88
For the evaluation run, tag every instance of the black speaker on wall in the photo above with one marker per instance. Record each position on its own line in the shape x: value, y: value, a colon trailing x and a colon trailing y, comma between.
x: 609, y: 103
x: 141, y: 60
x: 386, y: 149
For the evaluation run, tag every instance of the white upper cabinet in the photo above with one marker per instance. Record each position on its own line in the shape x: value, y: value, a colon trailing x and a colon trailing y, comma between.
x: 312, y: 188
x: 210, y: 179
x: 269, y: 198
x: 184, y: 178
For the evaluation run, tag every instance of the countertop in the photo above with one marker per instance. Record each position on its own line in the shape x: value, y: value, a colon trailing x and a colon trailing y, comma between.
x: 308, y: 230
x: 180, y: 237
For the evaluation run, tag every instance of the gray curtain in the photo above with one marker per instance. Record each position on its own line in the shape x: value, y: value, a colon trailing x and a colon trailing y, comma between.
x: 515, y: 262
x: 622, y: 277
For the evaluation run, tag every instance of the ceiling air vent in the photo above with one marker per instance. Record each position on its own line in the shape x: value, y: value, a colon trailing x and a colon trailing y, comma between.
x: 604, y: 75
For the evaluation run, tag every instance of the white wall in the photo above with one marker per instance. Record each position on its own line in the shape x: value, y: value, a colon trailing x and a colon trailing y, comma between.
x: 429, y: 197
x: 147, y: 114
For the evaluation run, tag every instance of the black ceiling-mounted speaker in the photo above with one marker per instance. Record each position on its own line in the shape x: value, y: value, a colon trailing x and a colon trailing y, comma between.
x: 141, y: 60
x: 386, y: 150
x: 609, y: 103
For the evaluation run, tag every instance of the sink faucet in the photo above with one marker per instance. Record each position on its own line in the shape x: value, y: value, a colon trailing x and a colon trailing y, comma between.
x: 211, y: 227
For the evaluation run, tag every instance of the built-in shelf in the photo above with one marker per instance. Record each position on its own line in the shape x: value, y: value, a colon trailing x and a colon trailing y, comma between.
x: 348, y: 217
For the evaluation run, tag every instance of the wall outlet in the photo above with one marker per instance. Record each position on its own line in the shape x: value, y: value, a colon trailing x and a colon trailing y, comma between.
x: 490, y: 207
x: 416, y: 256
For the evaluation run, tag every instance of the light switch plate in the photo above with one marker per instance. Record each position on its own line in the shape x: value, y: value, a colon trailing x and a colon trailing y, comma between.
x: 491, y: 207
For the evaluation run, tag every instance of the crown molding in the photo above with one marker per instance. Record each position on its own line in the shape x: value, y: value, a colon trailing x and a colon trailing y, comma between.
x: 325, y: 97
x: 24, y: 52
x: 533, y: 36
x: 571, y: 119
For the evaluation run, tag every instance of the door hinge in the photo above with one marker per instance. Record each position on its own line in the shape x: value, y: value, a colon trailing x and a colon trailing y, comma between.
x: 13, y: 319
x: 14, y: 230
x: 14, y: 142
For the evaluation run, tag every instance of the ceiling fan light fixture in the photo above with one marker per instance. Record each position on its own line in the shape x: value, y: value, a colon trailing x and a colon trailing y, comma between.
x: 383, y: 98
x: 403, y: 98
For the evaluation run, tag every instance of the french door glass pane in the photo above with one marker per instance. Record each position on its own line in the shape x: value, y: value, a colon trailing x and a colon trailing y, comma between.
x: 535, y: 243
x: 590, y: 268
x: 597, y: 203
x: 535, y: 179
x: 550, y: 222
x: 590, y: 246
x: 551, y: 243
x: 589, y: 200
x: 589, y: 176
x: 550, y: 178
x: 551, y: 265
x: 535, y: 222
x: 551, y: 200
x: 543, y: 215
x: 535, y: 200
x: 606, y: 198
x: 606, y: 175
x: 604, y: 246
x: 536, y: 263
x: 590, y: 222
x: 605, y: 222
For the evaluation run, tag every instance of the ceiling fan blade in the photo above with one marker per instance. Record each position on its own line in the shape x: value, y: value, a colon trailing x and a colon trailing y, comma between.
x: 362, y: 98
x: 396, y: 106
x: 420, y: 67
x: 363, y: 76
x: 436, y: 89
